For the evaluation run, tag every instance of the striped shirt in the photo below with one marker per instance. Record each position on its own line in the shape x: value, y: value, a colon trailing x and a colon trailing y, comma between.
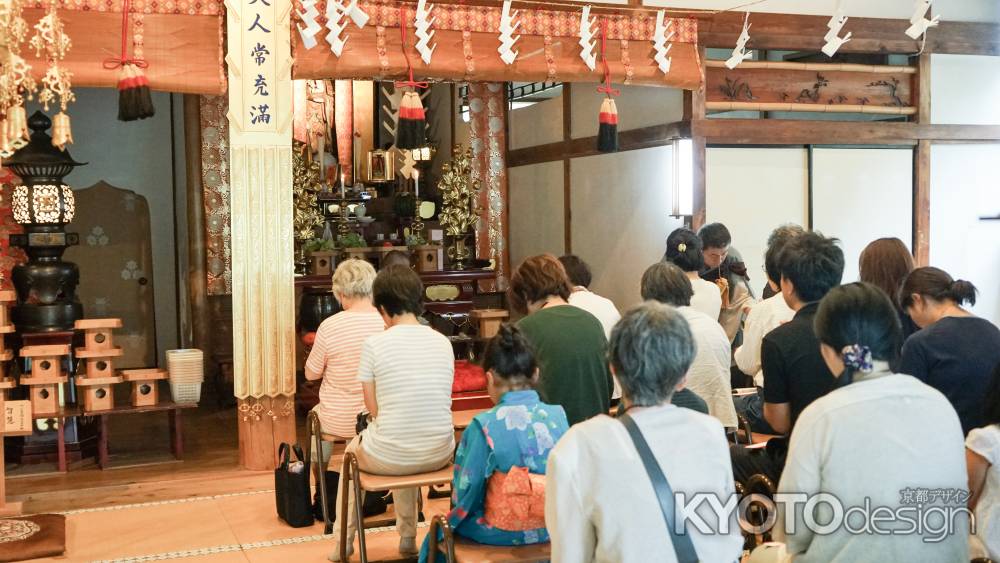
x: 413, y: 367
x: 336, y: 354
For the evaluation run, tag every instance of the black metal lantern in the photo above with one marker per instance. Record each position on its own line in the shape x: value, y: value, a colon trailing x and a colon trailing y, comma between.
x: 44, y: 205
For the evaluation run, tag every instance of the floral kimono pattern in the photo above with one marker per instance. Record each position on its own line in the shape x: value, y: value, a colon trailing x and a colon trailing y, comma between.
x: 519, y: 432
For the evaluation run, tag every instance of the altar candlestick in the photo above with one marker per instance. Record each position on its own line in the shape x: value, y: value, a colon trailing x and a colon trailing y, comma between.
x: 416, y: 184
x: 322, y: 158
x: 341, y: 185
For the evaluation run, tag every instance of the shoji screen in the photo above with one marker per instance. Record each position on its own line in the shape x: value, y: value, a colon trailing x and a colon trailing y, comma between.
x: 752, y: 191
x: 963, y: 189
x: 860, y: 195
x: 621, y: 205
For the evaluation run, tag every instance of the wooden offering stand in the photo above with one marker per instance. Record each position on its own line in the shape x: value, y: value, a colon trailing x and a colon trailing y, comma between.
x: 99, y: 352
x: 45, y: 377
x: 7, y: 297
x: 144, y: 382
x: 489, y: 321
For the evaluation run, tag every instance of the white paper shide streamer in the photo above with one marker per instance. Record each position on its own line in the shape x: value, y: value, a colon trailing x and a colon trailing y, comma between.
x: 832, y: 37
x: 358, y: 16
x: 740, y: 52
x: 423, y: 22
x: 508, y: 25
x: 309, y: 15
x: 918, y: 23
x: 587, y: 42
x: 335, y: 22
x: 660, y: 39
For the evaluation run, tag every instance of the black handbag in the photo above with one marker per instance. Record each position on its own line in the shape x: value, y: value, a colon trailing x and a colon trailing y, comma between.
x: 362, y: 422
x: 291, y: 487
x: 375, y: 503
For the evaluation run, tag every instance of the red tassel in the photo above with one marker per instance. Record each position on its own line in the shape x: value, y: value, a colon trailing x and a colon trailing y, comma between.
x: 411, y: 130
x: 134, y: 99
x: 607, y: 131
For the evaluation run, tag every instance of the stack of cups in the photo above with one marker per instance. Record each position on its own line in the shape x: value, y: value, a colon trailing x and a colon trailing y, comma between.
x: 187, y: 372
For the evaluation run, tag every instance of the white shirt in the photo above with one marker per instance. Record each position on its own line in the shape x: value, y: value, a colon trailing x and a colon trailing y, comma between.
x: 986, y: 541
x: 873, y: 439
x: 764, y: 317
x: 709, y: 375
x: 413, y: 367
x: 599, y: 502
x: 605, y: 311
x: 707, y: 297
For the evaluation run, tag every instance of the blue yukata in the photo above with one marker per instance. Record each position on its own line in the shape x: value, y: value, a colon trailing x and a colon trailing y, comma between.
x: 520, y: 431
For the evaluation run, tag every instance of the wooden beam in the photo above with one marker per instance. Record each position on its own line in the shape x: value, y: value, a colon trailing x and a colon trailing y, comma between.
x: 869, y: 35
x: 698, y: 202
x: 922, y: 89
x: 633, y: 139
x: 922, y: 203
x: 801, y: 132
x: 197, y: 278
x: 567, y: 119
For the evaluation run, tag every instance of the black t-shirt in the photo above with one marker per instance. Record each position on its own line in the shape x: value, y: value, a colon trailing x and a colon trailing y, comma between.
x: 956, y: 356
x: 794, y: 370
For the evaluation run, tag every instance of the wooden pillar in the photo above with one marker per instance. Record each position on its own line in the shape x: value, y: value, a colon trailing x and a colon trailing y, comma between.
x: 922, y: 166
x: 694, y: 113
x: 567, y: 108
x: 197, y: 282
x: 260, y: 117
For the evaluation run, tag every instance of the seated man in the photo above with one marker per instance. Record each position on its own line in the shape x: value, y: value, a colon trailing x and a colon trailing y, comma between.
x: 764, y: 317
x: 724, y: 266
x: 794, y: 371
x: 708, y: 375
x: 600, y: 503
x: 499, y: 480
x: 406, y: 375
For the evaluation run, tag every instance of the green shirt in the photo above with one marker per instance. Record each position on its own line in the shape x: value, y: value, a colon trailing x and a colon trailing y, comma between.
x: 570, y: 348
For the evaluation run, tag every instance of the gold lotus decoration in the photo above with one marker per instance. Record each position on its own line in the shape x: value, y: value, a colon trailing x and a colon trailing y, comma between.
x: 306, y: 218
x: 459, y: 194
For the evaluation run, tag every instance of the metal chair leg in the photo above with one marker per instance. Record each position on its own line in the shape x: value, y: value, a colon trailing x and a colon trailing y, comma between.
x: 345, y: 475
x: 358, y: 507
x: 440, y: 524
x: 316, y: 437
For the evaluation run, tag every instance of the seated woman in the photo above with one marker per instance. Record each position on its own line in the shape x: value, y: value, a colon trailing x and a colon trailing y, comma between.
x: 982, y: 454
x: 600, y: 504
x: 498, y: 493
x: 406, y: 373
x: 336, y: 352
x: 685, y: 250
x: 955, y: 351
x: 867, y: 442
x: 885, y: 263
x: 569, y: 343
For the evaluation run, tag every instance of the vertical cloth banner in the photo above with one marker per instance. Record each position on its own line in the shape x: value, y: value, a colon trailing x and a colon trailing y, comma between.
x: 487, y: 134
x: 260, y: 134
x: 215, y: 183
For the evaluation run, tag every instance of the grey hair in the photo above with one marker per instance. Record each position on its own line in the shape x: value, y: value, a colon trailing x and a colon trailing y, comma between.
x: 353, y: 278
x: 651, y: 349
x: 667, y: 283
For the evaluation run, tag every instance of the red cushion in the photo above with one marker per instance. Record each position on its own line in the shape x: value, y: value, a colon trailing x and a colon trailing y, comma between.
x: 308, y: 338
x: 468, y: 377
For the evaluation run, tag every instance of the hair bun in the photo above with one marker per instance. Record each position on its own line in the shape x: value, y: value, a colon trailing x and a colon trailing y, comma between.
x: 963, y: 291
x: 507, y: 336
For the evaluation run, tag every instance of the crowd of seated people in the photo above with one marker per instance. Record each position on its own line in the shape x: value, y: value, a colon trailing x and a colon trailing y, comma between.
x: 864, y: 391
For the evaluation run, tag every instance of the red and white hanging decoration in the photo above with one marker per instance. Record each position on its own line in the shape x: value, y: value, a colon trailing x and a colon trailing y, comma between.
x: 918, y: 23
x: 836, y: 23
x: 587, y: 41
x: 740, y: 52
x: 336, y: 21
x: 423, y: 22
x: 660, y: 39
x: 411, y: 125
x: 508, y: 25
x: 607, y: 129
x: 309, y: 16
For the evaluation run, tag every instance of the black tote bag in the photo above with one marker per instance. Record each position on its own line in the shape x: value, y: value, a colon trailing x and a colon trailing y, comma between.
x: 291, y: 489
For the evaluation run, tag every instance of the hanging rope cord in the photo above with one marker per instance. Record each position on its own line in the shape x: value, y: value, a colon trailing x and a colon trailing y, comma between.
x: 606, y: 88
x: 115, y: 62
x: 409, y: 66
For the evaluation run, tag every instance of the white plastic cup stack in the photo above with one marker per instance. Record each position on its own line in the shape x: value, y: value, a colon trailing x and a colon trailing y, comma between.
x: 187, y: 372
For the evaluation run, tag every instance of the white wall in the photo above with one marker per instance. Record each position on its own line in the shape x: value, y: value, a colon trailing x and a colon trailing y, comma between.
x: 964, y: 188
x: 536, y: 124
x: 537, y: 223
x: 137, y: 156
x: 860, y: 195
x: 621, y: 204
x: 638, y: 106
x: 965, y: 89
x: 752, y: 191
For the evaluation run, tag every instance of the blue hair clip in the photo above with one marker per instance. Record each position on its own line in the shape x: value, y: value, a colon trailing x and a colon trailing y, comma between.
x: 858, y: 358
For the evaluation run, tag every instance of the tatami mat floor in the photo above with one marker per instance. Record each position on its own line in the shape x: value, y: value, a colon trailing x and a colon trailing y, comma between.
x: 224, y: 528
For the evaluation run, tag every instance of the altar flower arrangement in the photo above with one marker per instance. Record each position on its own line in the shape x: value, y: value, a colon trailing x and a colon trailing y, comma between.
x: 459, y: 196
